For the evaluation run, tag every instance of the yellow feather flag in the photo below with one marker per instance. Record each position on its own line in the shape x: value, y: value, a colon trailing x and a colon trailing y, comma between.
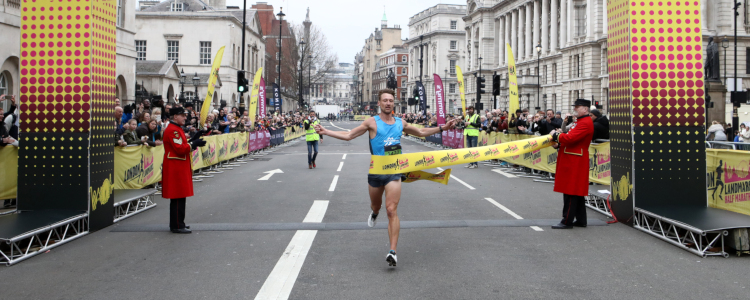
x: 254, y: 96
x: 512, y: 83
x: 460, y: 77
x: 211, y: 82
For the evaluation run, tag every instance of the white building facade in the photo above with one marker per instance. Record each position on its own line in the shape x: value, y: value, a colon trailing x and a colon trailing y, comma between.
x: 437, y: 37
x: 335, y: 87
x: 191, y: 33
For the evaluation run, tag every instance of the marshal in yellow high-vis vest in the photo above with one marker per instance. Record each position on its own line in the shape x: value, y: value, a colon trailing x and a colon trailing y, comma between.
x: 310, y: 134
x: 471, y: 130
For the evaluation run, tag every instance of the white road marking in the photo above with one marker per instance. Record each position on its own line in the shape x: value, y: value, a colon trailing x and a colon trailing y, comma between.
x: 333, y: 183
x: 270, y: 173
x: 280, y: 282
x: 510, y: 212
x: 459, y: 180
x: 341, y: 165
x: 338, y: 127
x: 504, y: 174
x: 344, y: 157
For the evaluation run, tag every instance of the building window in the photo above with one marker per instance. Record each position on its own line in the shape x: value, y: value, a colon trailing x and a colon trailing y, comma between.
x: 451, y: 88
x: 140, y: 49
x: 189, y: 95
x: 173, y: 51
x: 120, y: 13
x: 604, y: 62
x: 403, y: 82
x: 554, y: 72
x: 747, y: 61
x: 454, y: 45
x: 452, y: 67
x: 454, y: 25
x: 3, y: 87
x: 403, y: 58
x: 544, y: 74
x: 580, y: 20
x: 176, y: 6
x: 205, y: 53
x: 403, y: 71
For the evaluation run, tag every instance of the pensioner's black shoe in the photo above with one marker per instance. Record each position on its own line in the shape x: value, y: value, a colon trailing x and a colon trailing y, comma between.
x: 579, y: 224
x: 187, y: 226
x: 561, y: 226
x: 181, y: 230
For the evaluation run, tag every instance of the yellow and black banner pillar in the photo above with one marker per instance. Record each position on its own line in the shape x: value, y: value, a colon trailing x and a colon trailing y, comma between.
x: 66, y: 155
x: 656, y: 104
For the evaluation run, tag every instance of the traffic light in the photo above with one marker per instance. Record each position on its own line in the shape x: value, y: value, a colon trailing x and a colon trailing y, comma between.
x: 241, y: 82
x: 597, y: 104
x: 416, y: 95
x: 496, y: 85
x: 480, y: 87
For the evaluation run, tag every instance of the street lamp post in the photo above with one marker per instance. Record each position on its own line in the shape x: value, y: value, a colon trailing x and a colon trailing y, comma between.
x: 735, y: 104
x: 196, y: 82
x: 725, y: 45
x: 278, y: 61
x: 182, y: 87
x: 538, y: 77
x: 301, y: 67
x: 479, y: 74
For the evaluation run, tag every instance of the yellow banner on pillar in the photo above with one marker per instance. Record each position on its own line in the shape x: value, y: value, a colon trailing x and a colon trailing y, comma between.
x: 512, y: 82
x: 254, y: 96
x: 211, y: 82
x: 461, y: 90
x: 728, y: 180
x: 410, y: 162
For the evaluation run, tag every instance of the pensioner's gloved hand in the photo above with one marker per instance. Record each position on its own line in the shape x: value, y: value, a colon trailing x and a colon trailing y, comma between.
x: 197, y: 143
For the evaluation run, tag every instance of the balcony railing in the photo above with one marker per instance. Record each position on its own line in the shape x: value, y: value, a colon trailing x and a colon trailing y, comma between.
x: 13, y: 3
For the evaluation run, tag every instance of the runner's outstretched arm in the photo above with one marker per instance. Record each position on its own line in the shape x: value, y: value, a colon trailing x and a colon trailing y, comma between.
x: 423, y: 132
x: 344, y: 135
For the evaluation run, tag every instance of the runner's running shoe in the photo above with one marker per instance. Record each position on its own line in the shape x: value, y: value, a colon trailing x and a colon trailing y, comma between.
x: 391, y: 258
x: 372, y: 220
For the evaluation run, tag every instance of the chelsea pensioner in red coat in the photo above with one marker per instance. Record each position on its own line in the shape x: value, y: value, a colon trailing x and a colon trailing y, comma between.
x: 177, y: 174
x: 572, y: 171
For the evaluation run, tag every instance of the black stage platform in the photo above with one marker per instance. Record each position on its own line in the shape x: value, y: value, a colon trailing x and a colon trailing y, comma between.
x: 130, y: 195
x: 700, y: 217
x: 17, y: 224
x: 131, y: 202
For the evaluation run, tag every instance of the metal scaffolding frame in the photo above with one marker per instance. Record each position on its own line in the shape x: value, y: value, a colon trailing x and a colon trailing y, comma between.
x: 39, y: 240
x: 127, y: 208
x: 694, y: 240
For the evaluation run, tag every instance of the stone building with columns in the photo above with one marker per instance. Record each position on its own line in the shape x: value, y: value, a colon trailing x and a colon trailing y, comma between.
x: 573, y: 59
x: 570, y: 63
x: 438, y: 32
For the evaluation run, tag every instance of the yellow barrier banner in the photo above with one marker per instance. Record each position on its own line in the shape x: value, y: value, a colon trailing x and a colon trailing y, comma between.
x: 728, y: 180
x: 8, y: 172
x: 420, y: 127
x: 441, y: 177
x: 137, y: 166
x: 410, y: 162
x: 360, y: 117
x: 208, y: 152
x: 196, y: 160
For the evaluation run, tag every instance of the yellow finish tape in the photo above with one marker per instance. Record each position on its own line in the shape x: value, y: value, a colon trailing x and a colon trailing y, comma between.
x: 410, y: 162
x: 441, y: 177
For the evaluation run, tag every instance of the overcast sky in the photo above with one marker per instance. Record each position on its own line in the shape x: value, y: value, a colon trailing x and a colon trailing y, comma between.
x: 347, y: 23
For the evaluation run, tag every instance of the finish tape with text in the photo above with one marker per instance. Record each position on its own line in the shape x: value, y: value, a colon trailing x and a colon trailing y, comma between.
x: 411, y: 162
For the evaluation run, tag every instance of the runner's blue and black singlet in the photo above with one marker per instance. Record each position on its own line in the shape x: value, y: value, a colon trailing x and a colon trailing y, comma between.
x: 388, y: 139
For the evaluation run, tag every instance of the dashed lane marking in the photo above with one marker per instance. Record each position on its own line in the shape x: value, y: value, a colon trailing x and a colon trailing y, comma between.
x: 343, y: 157
x: 510, y: 212
x: 333, y: 183
x: 341, y: 165
x: 280, y: 282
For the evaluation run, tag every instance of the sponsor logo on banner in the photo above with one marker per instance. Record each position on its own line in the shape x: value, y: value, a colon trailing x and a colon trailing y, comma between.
x: 403, y: 164
x: 223, y: 150
x: 511, y: 149
x: 730, y: 183
x: 530, y: 144
x: 427, y: 160
x: 492, y: 152
x: 209, y: 153
x: 552, y: 159
x: 536, y: 157
x: 471, y: 155
x: 235, y: 146
x: 395, y: 165
x: 371, y: 164
x: 449, y: 157
x: 599, y: 165
x: 141, y: 172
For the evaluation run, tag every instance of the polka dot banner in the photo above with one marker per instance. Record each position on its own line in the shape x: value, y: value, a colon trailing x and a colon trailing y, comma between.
x: 68, y: 72
x: 655, y: 59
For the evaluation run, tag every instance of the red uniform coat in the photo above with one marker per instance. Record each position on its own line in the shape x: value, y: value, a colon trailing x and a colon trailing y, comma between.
x: 177, y: 173
x: 572, y: 172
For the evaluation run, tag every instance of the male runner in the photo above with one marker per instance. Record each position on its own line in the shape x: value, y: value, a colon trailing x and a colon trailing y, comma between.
x: 312, y: 139
x: 385, y: 139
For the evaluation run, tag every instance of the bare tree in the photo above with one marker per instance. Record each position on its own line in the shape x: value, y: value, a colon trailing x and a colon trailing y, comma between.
x: 323, y: 58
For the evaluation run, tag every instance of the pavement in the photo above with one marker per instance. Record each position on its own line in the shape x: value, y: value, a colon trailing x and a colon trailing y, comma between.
x: 260, y: 240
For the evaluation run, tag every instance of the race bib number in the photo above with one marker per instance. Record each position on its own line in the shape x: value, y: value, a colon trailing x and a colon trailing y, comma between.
x: 392, y: 150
